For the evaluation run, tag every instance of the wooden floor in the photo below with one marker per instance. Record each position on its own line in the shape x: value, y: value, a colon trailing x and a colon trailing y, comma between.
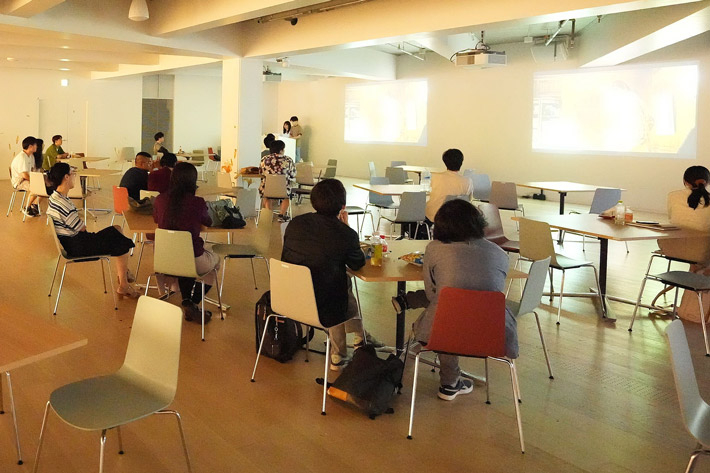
x: 611, y: 407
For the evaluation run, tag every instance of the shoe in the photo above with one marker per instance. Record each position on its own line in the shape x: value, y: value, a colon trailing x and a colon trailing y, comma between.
x: 448, y: 393
x: 31, y: 212
x: 130, y: 277
x: 400, y: 303
x: 359, y: 342
x: 339, y: 365
x: 35, y: 207
x: 284, y: 218
x: 193, y: 313
x: 128, y: 292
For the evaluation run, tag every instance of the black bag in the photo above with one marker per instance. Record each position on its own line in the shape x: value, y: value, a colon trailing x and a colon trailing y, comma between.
x: 143, y: 206
x: 224, y: 214
x: 369, y: 382
x: 234, y: 218
x: 284, y: 337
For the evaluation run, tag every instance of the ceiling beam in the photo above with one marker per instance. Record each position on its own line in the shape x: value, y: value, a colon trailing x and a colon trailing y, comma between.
x: 165, y: 63
x: 362, y: 63
x: 26, y: 8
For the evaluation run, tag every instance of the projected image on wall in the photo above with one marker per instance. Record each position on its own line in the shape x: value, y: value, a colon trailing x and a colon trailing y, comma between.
x: 636, y: 110
x: 386, y: 112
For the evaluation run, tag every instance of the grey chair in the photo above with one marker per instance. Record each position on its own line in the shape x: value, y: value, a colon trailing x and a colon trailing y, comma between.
x: 246, y: 201
x: 530, y: 300
x: 394, y: 164
x: 504, y: 195
x: 381, y: 202
x: 330, y: 170
x: 481, y: 187
x: 465, y: 197
x: 695, y: 411
x: 396, y: 175
x: 603, y: 199
x: 357, y: 212
x: 372, y: 169
x: 275, y: 189
x: 304, y: 179
x: 232, y: 251
x: 412, y: 210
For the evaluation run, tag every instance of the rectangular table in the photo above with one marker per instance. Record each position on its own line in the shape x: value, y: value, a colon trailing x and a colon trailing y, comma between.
x: 562, y: 188
x: 391, y: 189
x: 605, y: 230
x: 26, y: 340
x: 396, y: 270
x: 419, y: 170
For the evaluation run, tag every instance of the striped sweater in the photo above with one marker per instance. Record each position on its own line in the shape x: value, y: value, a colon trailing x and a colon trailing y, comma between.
x: 64, y: 214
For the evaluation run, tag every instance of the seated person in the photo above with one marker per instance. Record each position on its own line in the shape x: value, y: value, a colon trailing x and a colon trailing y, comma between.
x: 54, y: 152
x: 20, y: 169
x: 159, y: 180
x: 447, y: 183
x: 690, y: 208
x: 180, y: 209
x: 136, y: 178
x: 277, y: 163
x: 325, y: 243
x: 268, y: 139
x: 458, y: 257
x: 72, y: 233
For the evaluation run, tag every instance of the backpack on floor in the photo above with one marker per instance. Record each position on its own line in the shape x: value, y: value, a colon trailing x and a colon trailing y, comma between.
x: 284, y: 337
x: 369, y: 382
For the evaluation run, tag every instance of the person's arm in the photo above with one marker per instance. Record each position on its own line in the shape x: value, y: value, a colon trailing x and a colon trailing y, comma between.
x: 355, y: 258
x: 74, y: 222
x: 61, y: 154
x: 205, y: 218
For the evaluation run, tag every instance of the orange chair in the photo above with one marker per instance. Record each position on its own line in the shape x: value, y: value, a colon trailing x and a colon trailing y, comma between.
x: 471, y: 324
x: 120, y: 203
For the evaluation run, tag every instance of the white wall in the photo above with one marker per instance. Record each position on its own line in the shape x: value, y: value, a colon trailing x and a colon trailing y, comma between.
x: 487, y: 114
x: 94, y: 116
x: 197, y: 112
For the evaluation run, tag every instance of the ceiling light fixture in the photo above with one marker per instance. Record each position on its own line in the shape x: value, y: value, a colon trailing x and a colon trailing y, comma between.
x: 138, y: 10
x: 65, y: 60
x: 64, y: 69
x: 11, y: 59
x: 65, y: 47
x: 64, y: 82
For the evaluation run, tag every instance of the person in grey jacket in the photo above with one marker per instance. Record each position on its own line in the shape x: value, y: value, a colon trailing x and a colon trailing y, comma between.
x: 458, y: 257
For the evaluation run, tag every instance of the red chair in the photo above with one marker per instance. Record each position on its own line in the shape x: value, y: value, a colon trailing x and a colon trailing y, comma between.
x: 470, y: 324
x: 120, y: 202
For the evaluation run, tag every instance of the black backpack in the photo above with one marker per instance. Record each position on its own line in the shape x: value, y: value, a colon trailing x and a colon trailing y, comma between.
x: 369, y: 382
x: 284, y: 337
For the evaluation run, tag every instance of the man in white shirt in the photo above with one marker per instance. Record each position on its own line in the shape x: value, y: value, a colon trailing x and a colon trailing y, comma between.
x: 20, y: 169
x: 447, y: 183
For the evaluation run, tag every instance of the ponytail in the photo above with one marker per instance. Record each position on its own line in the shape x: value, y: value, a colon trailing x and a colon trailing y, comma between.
x: 697, y: 178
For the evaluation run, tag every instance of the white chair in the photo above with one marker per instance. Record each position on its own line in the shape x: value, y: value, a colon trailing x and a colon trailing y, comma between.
x: 381, y: 202
x: 38, y: 188
x: 695, y: 411
x: 292, y: 296
x: 231, y: 251
x: 144, y: 385
x: 175, y: 256
x: 246, y: 201
x: 394, y: 164
x: 224, y: 180
x: 396, y: 175
x: 71, y: 260
x: 275, y: 188
x: 78, y: 193
x: 15, y: 190
x: 304, y: 177
x: 603, y: 199
x: 481, y: 186
x: 372, y: 169
x: 412, y: 210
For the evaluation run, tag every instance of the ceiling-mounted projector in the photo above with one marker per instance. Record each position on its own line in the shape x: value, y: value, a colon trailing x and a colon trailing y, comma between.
x: 268, y: 76
x: 481, y: 58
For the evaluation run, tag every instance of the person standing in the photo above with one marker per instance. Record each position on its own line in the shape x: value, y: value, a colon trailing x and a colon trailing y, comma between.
x: 286, y: 130
x: 54, y: 152
x: 20, y: 169
x: 296, y: 133
x: 277, y: 163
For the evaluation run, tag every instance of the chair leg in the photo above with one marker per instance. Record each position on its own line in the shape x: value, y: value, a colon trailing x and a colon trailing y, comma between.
x: 638, y: 301
x: 120, y: 440
x: 488, y: 382
x: 219, y: 295
x: 517, y: 384
x: 110, y: 281
x: 261, y: 345
x: 325, y: 374
x: 544, y: 347
x: 253, y: 274
x: 101, y: 451
x: 182, y: 435
x: 140, y: 258
x: 414, y: 394
x: 552, y: 287
x: 103, y: 275
x: 268, y: 270
x: 702, y: 323
x: 357, y: 298
x: 56, y: 268
x: 14, y: 418
x: 224, y: 269
x: 147, y: 285
x: 584, y: 241
x: 203, y: 309
x: 627, y: 246
x: 61, y: 283
x: 41, y: 437
x: 514, y: 382
x: 602, y: 298
x: 562, y: 288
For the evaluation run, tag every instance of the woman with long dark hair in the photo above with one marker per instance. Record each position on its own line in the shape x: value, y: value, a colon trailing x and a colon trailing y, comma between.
x: 286, y: 130
x: 180, y: 209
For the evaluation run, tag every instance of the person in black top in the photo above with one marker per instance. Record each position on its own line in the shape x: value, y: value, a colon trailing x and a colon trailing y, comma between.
x: 136, y: 178
x: 325, y: 243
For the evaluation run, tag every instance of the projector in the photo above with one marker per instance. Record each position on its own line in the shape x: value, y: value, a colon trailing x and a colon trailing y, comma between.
x: 481, y: 59
x: 269, y: 76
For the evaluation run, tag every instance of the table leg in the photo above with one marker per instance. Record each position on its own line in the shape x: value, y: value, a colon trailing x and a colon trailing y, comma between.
x: 562, y: 202
x: 399, y: 342
x: 603, y: 256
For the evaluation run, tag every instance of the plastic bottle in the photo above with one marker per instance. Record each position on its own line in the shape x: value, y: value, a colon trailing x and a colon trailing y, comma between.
x: 629, y: 215
x: 376, y: 259
x: 383, y: 240
x: 619, y: 213
x: 426, y: 179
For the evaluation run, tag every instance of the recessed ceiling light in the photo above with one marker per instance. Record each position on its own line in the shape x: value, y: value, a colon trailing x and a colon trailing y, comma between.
x: 65, y: 60
x: 64, y: 82
x: 11, y: 59
x: 65, y: 47
x: 64, y: 69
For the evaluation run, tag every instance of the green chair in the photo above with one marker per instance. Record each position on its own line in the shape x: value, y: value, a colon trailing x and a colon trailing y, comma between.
x: 144, y: 385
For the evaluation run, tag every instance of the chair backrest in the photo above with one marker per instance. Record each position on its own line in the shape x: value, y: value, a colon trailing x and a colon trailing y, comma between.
x: 174, y: 254
x: 333, y: 162
x: 120, y: 200
x: 37, y: 186
x: 504, y: 195
x: 534, y: 286
x: 468, y: 173
x: 292, y: 292
x: 283, y: 231
x: 494, y: 227
x: 536, y: 240
x: 377, y: 199
x: 246, y: 201
x: 454, y: 197
x: 396, y: 175
x: 127, y: 153
x: 394, y: 164
x: 412, y: 207
x: 692, y: 406
x: 224, y: 180
x: 304, y: 174
x: 76, y: 192
x: 197, y: 157
x: 604, y: 199
x: 58, y: 244
x: 481, y: 186
x: 469, y: 323
x: 153, y: 352
x: 373, y: 170
x: 329, y: 172
x: 144, y: 194
x: 275, y: 187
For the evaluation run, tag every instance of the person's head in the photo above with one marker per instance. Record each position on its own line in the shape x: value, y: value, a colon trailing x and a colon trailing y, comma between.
x: 458, y: 220
x: 159, y: 137
x: 287, y: 126
x: 696, y: 178
x: 294, y: 119
x: 40, y: 145
x: 453, y: 158
x: 168, y: 160
x: 277, y: 147
x: 61, y: 175
x: 328, y: 197
x: 29, y: 144
x: 57, y: 140
x: 143, y: 160
x: 268, y: 139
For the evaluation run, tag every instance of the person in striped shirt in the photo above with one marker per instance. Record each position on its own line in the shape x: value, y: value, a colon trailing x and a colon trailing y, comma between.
x: 72, y: 233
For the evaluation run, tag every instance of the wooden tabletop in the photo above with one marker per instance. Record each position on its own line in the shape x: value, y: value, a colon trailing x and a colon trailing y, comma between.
x: 203, y: 191
x: 561, y: 186
x: 394, y: 269
x: 420, y: 169
x: 92, y: 172
x: 391, y: 189
x: 29, y: 339
x: 89, y: 159
x: 144, y: 223
x: 594, y: 226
